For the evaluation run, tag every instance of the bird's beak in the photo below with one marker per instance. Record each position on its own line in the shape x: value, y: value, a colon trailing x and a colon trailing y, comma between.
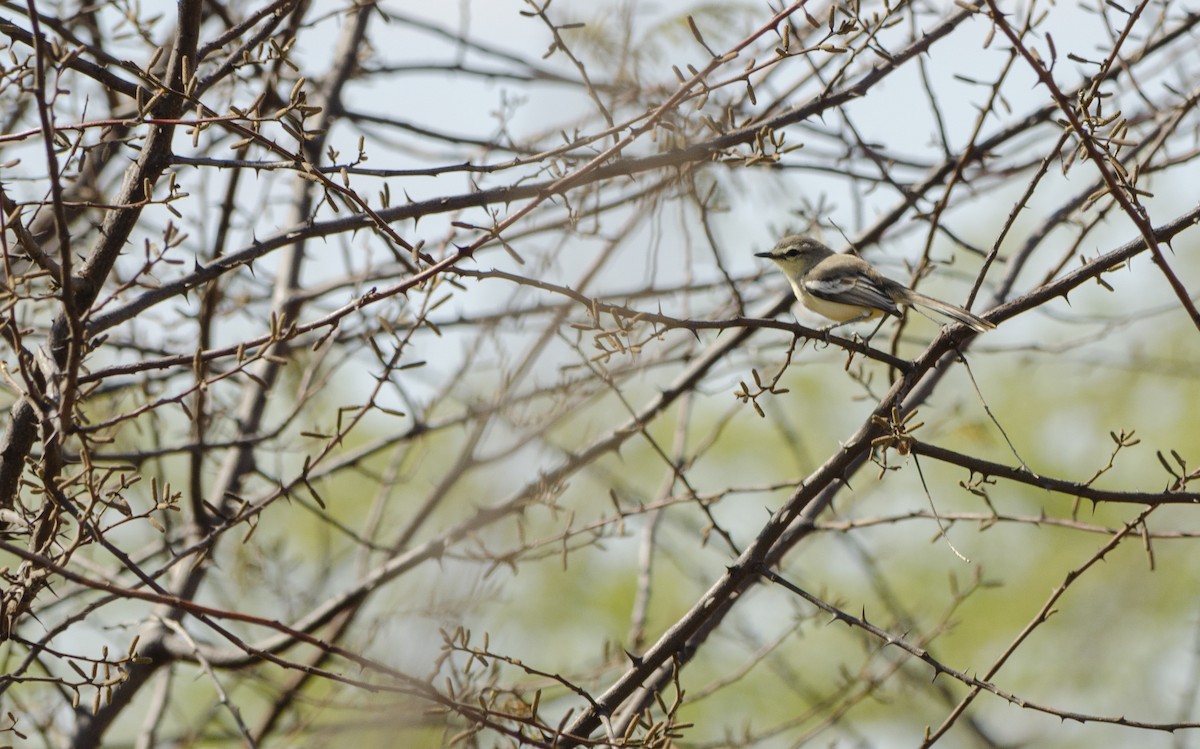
x: 763, y: 254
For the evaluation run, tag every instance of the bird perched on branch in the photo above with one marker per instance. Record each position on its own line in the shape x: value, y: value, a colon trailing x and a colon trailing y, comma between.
x: 847, y: 289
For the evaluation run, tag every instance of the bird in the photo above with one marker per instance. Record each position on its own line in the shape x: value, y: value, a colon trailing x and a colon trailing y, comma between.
x: 847, y: 289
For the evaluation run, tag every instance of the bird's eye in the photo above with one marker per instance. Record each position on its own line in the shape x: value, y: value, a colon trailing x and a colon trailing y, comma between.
x: 793, y: 252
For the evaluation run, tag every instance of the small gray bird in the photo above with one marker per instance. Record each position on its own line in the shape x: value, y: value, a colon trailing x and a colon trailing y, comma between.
x: 847, y: 288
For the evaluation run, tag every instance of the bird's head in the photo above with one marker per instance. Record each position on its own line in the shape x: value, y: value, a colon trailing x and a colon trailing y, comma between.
x: 795, y: 254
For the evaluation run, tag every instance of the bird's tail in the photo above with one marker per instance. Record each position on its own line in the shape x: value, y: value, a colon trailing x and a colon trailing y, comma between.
x: 974, y: 322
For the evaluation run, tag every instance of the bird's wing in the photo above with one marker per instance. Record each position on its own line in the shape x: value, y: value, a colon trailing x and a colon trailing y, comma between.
x: 849, y: 280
